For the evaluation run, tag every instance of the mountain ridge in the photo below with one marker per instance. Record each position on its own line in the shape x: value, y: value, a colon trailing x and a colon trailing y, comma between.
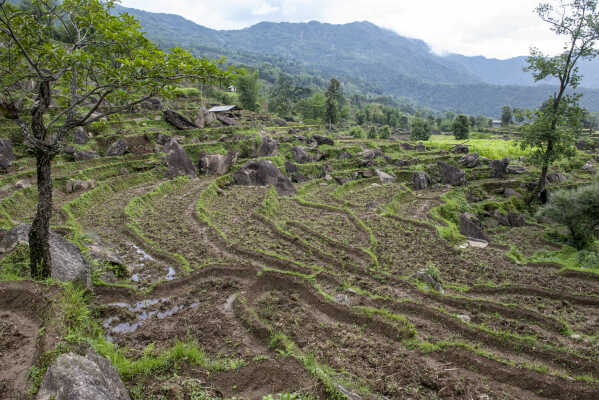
x: 375, y: 59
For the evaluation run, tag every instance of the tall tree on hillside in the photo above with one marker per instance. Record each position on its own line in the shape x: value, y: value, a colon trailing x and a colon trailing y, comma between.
x: 551, y: 136
x: 247, y: 87
x: 461, y: 127
x: 334, y: 102
x: 281, y: 96
x: 506, y: 115
x: 99, y: 64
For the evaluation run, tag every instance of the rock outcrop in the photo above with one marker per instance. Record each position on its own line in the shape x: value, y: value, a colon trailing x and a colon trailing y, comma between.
x: 420, y: 180
x: 263, y: 173
x: 451, y: 175
x: 177, y: 120
x: 216, y: 164
x: 178, y: 161
x: 75, y: 377
x: 118, y: 148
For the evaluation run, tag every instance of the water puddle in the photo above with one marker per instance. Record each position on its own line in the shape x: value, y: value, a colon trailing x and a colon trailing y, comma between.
x: 142, y: 253
x: 114, y: 325
x: 171, y: 274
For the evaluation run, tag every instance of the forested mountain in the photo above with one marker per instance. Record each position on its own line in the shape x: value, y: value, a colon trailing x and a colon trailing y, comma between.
x: 368, y: 59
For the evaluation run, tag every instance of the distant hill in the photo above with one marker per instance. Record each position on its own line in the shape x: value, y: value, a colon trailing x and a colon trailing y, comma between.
x: 372, y: 59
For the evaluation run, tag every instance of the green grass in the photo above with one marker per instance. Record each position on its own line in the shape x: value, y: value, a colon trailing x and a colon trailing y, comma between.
x: 490, y: 148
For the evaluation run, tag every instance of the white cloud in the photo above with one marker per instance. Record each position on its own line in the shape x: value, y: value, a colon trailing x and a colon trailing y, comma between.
x: 491, y: 28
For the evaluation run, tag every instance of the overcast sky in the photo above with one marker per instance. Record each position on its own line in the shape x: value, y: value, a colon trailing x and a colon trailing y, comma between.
x: 492, y: 28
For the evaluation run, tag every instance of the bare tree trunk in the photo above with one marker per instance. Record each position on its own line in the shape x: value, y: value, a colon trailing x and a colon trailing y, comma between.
x: 39, y: 236
x: 543, y: 177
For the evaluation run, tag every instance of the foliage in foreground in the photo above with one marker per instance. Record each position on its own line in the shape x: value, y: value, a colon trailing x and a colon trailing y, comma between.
x: 577, y: 209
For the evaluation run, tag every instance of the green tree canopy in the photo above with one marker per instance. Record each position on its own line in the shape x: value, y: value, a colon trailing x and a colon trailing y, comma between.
x: 421, y: 129
x: 461, y: 127
x: 90, y: 63
x: 248, y: 87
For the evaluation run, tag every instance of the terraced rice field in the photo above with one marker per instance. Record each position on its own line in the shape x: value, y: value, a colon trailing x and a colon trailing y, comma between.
x: 311, y: 293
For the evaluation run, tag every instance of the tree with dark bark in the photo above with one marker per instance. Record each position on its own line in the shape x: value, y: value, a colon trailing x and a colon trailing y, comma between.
x: 74, y: 54
x: 550, y: 136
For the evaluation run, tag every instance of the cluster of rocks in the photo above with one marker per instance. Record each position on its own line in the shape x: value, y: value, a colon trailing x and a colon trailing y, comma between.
x: 6, y: 154
x: 263, y: 173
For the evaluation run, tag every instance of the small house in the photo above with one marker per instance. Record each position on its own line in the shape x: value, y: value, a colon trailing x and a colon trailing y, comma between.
x: 496, y: 123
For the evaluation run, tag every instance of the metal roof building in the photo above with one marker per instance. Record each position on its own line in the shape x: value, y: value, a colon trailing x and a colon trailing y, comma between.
x: 222, y: 108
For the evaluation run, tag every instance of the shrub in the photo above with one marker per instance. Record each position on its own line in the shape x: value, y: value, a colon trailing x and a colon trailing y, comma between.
x: 461, y: 127
x: 372, y: 134
x: 385, y: 132
x: 357, y: 132
x: 577, y: 209
x: 421, y: 129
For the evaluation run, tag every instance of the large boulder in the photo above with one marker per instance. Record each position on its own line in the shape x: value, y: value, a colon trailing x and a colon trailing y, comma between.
x: 371, y: 154
x: 461, y: 149
x: 263, y: 173
x: 178, y: 161
x: 226, y: 119
x: 555, y: 178
x: 75, y: 377
x: 80, y: 136
x: 139, y: 144
x: 76, y: 185
x: 320, y: 140
x: 216, y: 164
x: 6, y: 154
x: 268, y: 147
x: 499, y: 168
x: 471, y: 160
x: 420, y: 180
x: 470, y: 226
x: 300, y: 155
x: 118, y: 148
x: 177, y: 120
x: 68, y: 265
x: 84, y: 155
x: 451, y: 175
x: 516, y: 169
x: 384, y: 177
x: 163, y: 139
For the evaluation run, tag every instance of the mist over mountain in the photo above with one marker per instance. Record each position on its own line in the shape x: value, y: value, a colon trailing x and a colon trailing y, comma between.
x: 371, y: 59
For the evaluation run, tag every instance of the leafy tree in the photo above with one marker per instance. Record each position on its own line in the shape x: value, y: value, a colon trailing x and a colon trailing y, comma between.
x: 550, y: 136
x: 519, y: 115
x: 506, y: 115
x: 100, y: 64
x: 421, y: 129
x: 281, y: 96
x: 472, y: 121
x: 385, y: 132
x: 372, y: 134
x: 577, y: 209
x: 334, y: 99
x: 357, y: 132
x: 461, y: 127
x: 248, y: 87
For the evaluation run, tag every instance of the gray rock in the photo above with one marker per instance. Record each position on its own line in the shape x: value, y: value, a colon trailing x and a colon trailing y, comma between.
x: 291, y: 168
x: 420, y: 180
x: 589, y: 167
x: 345, y: 156
x: 178, y: 161
x: 300, y: 155
x: 509, y: 192
x: 216, y: 164
x: 420, y: 147
x: 470, y: 226
x: 470, y: 160
x: 371, y: 154
x: 80, y: 136
x: 177, y: 120
x: 76, y: 185
x: 323, y: 140
x: 384, y: 177
x: 461, y: 149
x: 118, y: 148
x: 162, y: 139
x: 451, y: 175
x: 153, y: 103
x: 268, y: 147
x: 516, y: 219
x: 556, y: 178
x: 68, y: 264
x: 501, y: 218
x: 226, y: 120
x: 76, y: 377
x: 499, y: 167
x: 516, y: 169
x: 263, y: 173
x: 6, y: 154
x: 84, y: 155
